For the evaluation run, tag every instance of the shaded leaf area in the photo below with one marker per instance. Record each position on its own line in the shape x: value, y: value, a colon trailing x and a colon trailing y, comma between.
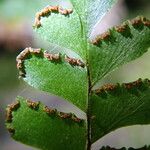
x: 118, y: 46
x: 116, y: 106
x: 56, y: 76
x: 63, y: 29
x: 36, y: 125
x: 142, y: 148
x: 91, y: 11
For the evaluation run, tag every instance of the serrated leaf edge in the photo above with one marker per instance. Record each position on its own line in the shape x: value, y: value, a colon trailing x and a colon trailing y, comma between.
x: 110, y: 87
x: 35, y: 106
x: 140, y: 20
x: 47, y: 10
x: 27, y: 52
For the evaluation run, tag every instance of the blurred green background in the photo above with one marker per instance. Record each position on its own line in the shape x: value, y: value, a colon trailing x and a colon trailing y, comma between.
x: 16, y: 33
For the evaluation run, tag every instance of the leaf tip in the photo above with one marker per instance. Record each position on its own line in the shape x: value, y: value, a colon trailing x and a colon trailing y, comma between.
x: 22, y: 56
x: 10, y: 108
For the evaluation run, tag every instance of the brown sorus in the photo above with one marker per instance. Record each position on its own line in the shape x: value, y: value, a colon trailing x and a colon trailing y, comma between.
x: 103, y: 36
x: 64, y: 115
x: 74, y: 118
x: 74, y: 62
x: 80, y: 63
x: 20, y: 67
x: 14, y: 105
x: 109, y: 87
x: 11, y: 130
x: 137, y: 21
x: 32, y: 104
x: 147, y: 23
x: 97, y: 91
x: 133, y: 84
x: 19, y: 64
x: 48, y: 10
x: 65, y: 11
x: 95, y: 42
x: 22, y: 74
x: 34, y: 50
x: 49, y: 110
x: 10, y: 108
x: 53, y: 8
x: 37, y: 22
x: 22, y: 56
x: 51, y: 57
x: 121, y: 28
x: 106, y: 87
x: 8, y: 115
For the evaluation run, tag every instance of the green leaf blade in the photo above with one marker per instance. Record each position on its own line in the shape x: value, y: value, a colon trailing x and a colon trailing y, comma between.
x: 57, y: 77
x: 97, y: 10
x: 116, y: 106
x: 91, y: 12
x: 63, y: 30
x: 71, y: 31
x: 118, y: 46
x: 36, y: 128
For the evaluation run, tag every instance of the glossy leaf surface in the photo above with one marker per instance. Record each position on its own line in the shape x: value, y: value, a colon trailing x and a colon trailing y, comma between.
x: 57, y: 77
